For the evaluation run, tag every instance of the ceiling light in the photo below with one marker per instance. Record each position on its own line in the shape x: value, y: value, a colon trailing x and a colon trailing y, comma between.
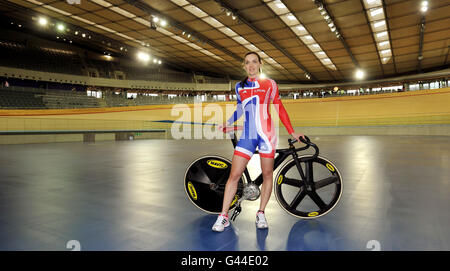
x: 233, y: 17
x: 102, y: 3
x: 143, y: 56
x: 381, y: 34
x: 424, y: 8
x: 359, y: 74
x: 163, y: 23
x: 155, y: 19
x: 281, y: 5
x: 376, y: 12
x: 60, y: 27
x: 378, y: 24
x: 159, y: 62
x: 42, y: 21
x: 383, y: 43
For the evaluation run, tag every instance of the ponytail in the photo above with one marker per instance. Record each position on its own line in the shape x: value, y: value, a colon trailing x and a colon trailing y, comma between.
x: 244, y: 82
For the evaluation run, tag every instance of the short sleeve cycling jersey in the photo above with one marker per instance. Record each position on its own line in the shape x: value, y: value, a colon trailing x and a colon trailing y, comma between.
x: 253, y: 101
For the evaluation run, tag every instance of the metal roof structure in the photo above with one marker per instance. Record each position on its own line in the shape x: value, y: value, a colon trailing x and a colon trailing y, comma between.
x: 306, y: 41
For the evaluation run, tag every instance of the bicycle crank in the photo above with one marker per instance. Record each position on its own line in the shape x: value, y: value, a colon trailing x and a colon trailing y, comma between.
x: 251, y: 192
x: 236, y: 212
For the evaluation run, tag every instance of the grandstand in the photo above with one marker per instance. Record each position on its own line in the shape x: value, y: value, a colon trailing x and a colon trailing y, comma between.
x: 13, y: 99
x: 78, y: 69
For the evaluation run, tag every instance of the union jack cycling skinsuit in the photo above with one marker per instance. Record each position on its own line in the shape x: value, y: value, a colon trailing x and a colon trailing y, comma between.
x: 253, y: 100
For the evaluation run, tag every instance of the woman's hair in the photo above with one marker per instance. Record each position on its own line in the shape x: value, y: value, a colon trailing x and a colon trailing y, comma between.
x: 243, y: 82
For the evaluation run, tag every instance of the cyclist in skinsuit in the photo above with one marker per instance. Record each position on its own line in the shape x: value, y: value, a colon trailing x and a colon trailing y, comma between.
x: 254, y: 95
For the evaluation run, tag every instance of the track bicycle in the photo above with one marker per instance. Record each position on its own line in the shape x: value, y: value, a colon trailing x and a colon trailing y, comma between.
x: 308, y: 186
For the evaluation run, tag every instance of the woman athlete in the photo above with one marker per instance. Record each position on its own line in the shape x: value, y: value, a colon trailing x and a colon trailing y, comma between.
x: 253, y: 101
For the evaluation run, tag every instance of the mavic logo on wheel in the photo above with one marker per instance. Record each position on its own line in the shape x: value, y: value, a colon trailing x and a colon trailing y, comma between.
x: 313, y: 214
x: 217, y: 164
x: 280, y: 180
x: 330, y: 167
x: 192, y: 191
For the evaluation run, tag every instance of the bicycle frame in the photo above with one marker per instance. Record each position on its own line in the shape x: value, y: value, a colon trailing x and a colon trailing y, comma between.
x: 294, y: 176
x: 283, y: 154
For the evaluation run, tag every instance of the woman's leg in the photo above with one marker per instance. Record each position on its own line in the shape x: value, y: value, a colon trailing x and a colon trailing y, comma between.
x: 266, y: 188
x: 238, y: 166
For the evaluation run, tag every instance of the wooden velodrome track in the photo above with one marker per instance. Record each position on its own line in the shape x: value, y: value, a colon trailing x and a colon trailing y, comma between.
x: 403, y: 108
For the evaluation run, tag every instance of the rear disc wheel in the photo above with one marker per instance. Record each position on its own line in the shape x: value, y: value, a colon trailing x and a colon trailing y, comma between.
x: 205, y: 180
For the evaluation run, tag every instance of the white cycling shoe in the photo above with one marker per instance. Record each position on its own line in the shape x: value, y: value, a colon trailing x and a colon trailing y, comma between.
x: 261, y: 222
x: 221, y: 223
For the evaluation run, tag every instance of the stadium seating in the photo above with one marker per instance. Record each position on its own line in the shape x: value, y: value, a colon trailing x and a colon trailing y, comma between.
x: 31, y: 98
x: 11, y: 99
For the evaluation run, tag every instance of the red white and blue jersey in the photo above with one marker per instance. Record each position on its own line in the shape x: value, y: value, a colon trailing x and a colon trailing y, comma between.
x: 253, y: 101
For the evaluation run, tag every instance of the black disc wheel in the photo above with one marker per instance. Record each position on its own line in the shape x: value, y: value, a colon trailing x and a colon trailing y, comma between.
x: 205, y: 180
x: 310, y: 192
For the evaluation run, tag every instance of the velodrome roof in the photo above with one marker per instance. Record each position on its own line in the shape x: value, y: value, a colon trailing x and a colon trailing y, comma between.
x: 300, y: 41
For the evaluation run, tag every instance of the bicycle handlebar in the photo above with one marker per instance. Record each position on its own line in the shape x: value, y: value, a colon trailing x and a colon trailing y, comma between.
x: 228, y: 129
x: 307, y: 142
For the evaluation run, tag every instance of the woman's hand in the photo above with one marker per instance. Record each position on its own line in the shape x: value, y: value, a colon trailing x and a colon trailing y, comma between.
x: 298, y: 135
x: 221, y: 127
